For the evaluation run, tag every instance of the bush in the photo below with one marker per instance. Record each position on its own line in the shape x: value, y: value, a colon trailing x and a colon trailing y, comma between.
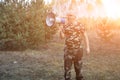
x: 23, y: 24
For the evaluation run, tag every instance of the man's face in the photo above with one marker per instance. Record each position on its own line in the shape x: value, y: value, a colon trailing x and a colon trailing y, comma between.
x: 71, y: 19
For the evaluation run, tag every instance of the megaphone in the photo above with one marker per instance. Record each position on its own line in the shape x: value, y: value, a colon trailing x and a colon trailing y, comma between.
x: 51, y: 19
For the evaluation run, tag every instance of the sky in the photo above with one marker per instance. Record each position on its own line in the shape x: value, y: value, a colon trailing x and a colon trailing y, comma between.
x: 47, y: 1
x: 110, y: 8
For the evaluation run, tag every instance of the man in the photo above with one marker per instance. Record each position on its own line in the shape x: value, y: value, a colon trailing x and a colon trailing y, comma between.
x: 73, y: 33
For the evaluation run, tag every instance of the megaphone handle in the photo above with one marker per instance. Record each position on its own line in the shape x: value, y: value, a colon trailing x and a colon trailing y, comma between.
x: 63, y: 20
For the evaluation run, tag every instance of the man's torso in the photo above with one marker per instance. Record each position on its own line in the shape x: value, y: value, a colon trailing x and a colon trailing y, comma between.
x: 74, y: 36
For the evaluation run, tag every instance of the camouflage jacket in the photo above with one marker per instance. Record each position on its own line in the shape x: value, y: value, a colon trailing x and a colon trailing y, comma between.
x: 74, y: 35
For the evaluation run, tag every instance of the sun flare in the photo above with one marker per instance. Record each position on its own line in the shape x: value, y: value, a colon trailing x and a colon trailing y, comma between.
x: 112, y: 8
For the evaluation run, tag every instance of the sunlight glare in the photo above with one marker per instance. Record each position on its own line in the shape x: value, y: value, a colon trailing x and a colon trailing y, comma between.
x: 47, y: 1
x: 112, y: 8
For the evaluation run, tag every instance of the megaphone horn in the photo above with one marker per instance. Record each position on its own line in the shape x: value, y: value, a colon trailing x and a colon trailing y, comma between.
x: 51, y: 19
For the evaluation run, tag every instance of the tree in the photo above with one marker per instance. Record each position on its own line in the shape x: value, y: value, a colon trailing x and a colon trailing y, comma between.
x: 22, y: 24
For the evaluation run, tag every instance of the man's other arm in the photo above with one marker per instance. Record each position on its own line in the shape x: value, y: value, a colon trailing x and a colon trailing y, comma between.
x: 62, y: 35
x: 86, y: 42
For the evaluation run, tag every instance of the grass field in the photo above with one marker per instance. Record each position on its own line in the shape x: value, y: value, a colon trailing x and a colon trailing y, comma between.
x: 46, y: 63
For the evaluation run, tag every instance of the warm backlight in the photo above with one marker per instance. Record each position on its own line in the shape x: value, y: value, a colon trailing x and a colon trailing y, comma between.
x: 112, y: 8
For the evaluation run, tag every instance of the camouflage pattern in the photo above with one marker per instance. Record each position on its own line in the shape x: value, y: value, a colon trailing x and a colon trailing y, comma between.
x: 73, y: 52
x: 74, y: 35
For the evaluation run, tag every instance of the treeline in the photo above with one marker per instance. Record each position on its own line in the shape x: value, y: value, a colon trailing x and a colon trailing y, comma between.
x: 92, y: 23
x: 22, y: 24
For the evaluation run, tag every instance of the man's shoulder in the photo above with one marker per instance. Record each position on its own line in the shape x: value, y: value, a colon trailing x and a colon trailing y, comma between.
x: 80, y: 26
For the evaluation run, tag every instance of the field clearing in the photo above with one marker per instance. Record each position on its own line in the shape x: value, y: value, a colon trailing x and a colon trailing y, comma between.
x: 46, y: 63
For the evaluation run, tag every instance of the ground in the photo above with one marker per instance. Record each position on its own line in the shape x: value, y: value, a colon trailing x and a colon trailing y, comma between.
x: 46, y: 63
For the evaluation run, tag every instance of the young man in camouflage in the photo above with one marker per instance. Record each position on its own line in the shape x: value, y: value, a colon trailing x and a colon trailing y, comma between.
x: 74, y: 33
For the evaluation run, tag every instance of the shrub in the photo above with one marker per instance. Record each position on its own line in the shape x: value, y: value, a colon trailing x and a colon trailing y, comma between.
x: 23, y: 24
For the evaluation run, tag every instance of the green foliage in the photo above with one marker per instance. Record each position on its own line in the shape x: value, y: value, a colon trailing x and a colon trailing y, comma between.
x: 22, y: 24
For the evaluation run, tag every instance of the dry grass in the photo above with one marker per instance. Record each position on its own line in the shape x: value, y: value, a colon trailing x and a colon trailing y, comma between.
x: 47, y: 64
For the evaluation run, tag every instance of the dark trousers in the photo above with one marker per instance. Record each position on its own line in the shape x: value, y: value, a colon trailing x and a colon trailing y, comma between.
x: 73, y: 57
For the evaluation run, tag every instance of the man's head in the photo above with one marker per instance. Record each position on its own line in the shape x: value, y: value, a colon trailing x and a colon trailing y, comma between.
x: 71, y: 18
